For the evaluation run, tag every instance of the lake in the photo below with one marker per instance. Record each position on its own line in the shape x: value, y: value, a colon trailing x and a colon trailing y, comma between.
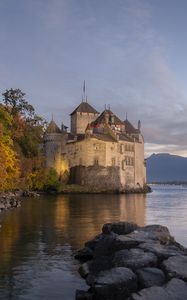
x: 37, y: 240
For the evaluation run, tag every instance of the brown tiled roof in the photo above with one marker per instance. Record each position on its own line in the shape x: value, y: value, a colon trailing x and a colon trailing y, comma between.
x: 53, y: 128
x: 124, y: 137
x: 76, y: 137
x: 104, y: 137
x: 129, y: 128
x: 102, y: 118
x: 85, y: 107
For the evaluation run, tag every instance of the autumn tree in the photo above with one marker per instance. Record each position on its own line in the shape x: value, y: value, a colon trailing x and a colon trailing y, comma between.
x: 9, y: 170
x: 27, y: 127
x: 21, y: 137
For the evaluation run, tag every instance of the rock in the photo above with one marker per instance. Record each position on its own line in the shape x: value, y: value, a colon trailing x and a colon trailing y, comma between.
x: 157, y: 232
x: 92, y: 243
x: 107, y: 245
x: 83, y: 295
x: 84, y: 270
x: 130, y: 241
x: 126, y: 258
x: 117, y: 283
x: 9, y: 200
x: 147, y: 234
x: 161, y: 251
x: 148, y: 277
x: 30, y: 194
x: 99, y: 264
x: 119, y: 227
x: 134, y: 259
x: 176, y: 289
x: 176, y: 266
x: 84, y: 254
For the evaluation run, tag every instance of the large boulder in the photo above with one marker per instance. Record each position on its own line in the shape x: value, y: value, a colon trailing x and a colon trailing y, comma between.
x: 157, y: 232
x: 149, y: 233
x: 93, y: 267
x: 161, y: 251
x: 176, y: 266
x: 148, y: 277
x: 106, y: 246
x: 176, y: 289
x: 134, y: 259
x: 119, y: 227
x: 118, y: 283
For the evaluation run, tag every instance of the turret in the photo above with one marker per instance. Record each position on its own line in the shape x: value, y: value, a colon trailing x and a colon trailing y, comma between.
x: 52, y: 146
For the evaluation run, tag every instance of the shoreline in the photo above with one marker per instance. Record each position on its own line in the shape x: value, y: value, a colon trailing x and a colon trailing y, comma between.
x: 13, y: 199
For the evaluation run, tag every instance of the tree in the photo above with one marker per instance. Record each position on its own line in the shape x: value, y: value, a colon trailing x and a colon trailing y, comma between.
x: 27, y: 128
x: 14, y: 101
x: 9, y: 170
x: 21, y: 135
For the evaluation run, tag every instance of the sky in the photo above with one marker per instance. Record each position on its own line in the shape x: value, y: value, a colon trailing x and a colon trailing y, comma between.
x: 132, y: 54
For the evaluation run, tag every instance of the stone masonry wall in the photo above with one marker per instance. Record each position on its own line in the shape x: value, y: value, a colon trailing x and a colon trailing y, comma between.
x: 103, y: 178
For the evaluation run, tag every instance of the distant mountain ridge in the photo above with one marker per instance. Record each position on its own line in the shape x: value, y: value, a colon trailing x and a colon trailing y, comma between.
x: 165, y: 167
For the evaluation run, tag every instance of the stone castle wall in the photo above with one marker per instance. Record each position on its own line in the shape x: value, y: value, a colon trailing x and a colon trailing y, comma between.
x: 126, y: 158
x: 97, y: 177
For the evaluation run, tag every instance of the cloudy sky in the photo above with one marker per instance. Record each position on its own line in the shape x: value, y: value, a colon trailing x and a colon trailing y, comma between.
x: 132, y: 54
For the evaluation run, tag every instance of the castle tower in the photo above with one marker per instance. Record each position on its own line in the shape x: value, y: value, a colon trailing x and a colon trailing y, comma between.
x: 81, y: 116
x: 52, y: 146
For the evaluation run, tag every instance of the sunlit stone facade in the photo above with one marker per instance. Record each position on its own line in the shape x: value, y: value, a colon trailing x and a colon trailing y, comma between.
x: 100, y: 150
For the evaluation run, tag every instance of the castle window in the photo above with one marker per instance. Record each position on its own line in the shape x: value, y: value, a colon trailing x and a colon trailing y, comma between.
x: 96, y: 161
x: 113, y: 161
x: 129, y: 161
x: 121, y: 148
x: 123, y: 163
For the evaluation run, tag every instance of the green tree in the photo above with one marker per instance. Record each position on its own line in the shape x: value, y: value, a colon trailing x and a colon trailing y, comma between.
x: 14, y: 101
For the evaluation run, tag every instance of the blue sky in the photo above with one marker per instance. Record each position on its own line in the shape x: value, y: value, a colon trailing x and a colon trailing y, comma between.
x: 132, y: 54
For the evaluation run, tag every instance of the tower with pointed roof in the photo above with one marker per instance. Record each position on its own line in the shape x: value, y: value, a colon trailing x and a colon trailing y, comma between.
x: 81, y: 117
x: 52, y: 146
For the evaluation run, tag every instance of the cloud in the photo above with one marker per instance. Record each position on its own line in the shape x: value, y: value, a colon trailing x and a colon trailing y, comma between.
x: 117, y: 48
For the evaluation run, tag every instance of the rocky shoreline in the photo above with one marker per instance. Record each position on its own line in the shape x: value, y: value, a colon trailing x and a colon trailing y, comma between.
x: 130, y: 262
x: 9, y: 200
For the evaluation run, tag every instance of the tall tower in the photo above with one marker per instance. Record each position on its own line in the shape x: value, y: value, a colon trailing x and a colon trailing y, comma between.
x: 52, y: 146
x: 82, y: 115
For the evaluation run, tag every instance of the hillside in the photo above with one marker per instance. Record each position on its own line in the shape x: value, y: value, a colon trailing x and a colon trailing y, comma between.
x: 165, y: 167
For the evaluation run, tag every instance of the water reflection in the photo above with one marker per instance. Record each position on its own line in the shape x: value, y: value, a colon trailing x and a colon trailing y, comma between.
x: 79, y: 218
x: 36, y: 241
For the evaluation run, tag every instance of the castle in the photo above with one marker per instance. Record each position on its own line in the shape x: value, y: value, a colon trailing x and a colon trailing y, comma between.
x: 100, y: 151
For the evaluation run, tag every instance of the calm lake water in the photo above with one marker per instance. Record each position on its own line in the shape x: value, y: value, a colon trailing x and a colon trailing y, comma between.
x: 38, y: 239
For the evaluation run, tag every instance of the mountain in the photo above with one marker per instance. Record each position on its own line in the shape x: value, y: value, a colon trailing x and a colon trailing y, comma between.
x: 165, y: 167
